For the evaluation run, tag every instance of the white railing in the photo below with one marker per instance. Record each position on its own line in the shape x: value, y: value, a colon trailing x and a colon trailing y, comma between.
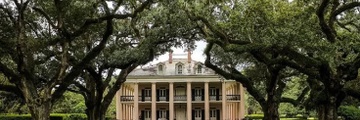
x: 162, y: 98
x: 180, y: 98
x: 198, y: 98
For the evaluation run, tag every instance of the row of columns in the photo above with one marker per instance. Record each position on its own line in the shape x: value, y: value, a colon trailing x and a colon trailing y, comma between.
x: 235, y: 110
x: 133, y: 111
x: 126, y: 110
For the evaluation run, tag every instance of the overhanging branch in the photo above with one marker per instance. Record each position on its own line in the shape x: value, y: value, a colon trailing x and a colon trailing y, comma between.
x: 234, y: 75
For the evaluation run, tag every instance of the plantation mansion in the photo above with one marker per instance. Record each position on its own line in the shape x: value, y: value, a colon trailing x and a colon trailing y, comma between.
x: 179, y: 89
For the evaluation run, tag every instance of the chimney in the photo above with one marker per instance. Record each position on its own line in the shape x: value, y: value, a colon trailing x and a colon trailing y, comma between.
x: 189, y: 56
x: 170, y: 56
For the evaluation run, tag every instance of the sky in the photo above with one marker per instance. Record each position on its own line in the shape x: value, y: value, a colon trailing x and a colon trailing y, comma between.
x: 197, y: 54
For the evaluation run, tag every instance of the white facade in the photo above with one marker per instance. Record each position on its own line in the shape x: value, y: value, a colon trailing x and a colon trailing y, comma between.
x: 179, y: 89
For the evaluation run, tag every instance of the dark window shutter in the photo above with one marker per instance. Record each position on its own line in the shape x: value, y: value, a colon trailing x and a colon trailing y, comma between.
x: 142, y: 95
x: 167, y: 94
x: 202, y: 95
x: 142, y: 115
x: 192, y: 114
x: 217, y: 114
x: 157, y: 114
x: 217, y: 94
x: 193, y: 94
x: 167, y: 114
x: 157, y: 94
x: 202, y: 114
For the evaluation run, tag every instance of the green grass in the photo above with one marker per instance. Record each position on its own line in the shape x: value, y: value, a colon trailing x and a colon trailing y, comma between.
x: 54, y: 116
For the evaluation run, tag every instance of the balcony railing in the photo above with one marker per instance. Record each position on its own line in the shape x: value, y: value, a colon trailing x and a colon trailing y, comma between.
x: 215, y: 97
x: 197, y: 98
x: 127, y: 98
x: 144, y: 98
x: 162, y: 98
x: 180, y: 98
x: 233, y: 97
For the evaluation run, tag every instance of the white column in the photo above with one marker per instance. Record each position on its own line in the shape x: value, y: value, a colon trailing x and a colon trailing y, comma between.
x: 136, y: 101
x: 207, y: 104
x: 131, y: 111
x: 171, y: 101
x: 188, y: 101
x: 118, y: 104
x: 125, y: 105
x: 153, y: 101
x: 242, y: 101
x: 126, y: 112
x: 223, y: 101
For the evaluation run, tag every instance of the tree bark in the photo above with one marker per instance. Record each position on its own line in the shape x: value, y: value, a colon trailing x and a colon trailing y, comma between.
x: 327, y: 111
x: 95, y: 113
x: 271, y: 110
x: 40, y: 110
x: 329, y: 101
x: 271, y: 114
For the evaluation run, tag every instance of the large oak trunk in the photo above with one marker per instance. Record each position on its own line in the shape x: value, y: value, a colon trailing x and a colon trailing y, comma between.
x: 271, y: 111
x: 327, y: 112
x: 93, y: 114
x: 327, y: 109
x: 40, y: 111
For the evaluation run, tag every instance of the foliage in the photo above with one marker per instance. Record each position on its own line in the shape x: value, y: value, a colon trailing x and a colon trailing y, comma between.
x: 153, y: 32
x: 282, y: 117
x: 349, y: 112
x: 69, y: 103
x: 319, y: 39
x: 52, y: 117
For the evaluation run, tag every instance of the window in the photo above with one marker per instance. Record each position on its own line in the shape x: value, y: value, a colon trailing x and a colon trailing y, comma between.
x: 162, y: 114
x: 162, y: 93
x: 147, y: 114
x: 212, y: 92
x: 147, y: 92
x: 198, y: 92
x: 199, y: 69
x: 213, y: 113
x: 198, y: 113
x: 179, y: 69
x: 160, y: 67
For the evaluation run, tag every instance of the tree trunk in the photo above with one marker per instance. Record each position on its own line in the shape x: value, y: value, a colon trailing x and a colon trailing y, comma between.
x: 271, y: 111
x: 327, y: 110
x: 95, y: 113
x: 40, y: 110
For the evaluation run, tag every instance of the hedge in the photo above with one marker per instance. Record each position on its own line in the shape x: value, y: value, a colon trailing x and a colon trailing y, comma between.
x: 282, y: 117
x: 55, y: 116
x: 349, y: 112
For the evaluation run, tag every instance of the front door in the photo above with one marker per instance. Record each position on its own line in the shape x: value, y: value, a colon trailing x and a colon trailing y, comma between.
x: 198, y: 114
x: 146, y: 115
x: 180, y: 114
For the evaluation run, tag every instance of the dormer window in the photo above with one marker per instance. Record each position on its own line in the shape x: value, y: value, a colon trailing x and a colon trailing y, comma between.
x: 199, y: 69
x: 160, y: 68
x: 179, y: 69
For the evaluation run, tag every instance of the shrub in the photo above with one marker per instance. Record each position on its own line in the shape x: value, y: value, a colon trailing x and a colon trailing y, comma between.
x: 55, y: 116
x: 349, y: 112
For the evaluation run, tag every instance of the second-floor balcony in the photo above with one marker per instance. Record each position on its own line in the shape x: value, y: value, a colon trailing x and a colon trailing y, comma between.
x: 215, y: 97
x: 180, y: 98
x: 144, y: 98
x: 198, y: 98
x: 127, y: 98
x: 162, y: 98
x: 232, y: 97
